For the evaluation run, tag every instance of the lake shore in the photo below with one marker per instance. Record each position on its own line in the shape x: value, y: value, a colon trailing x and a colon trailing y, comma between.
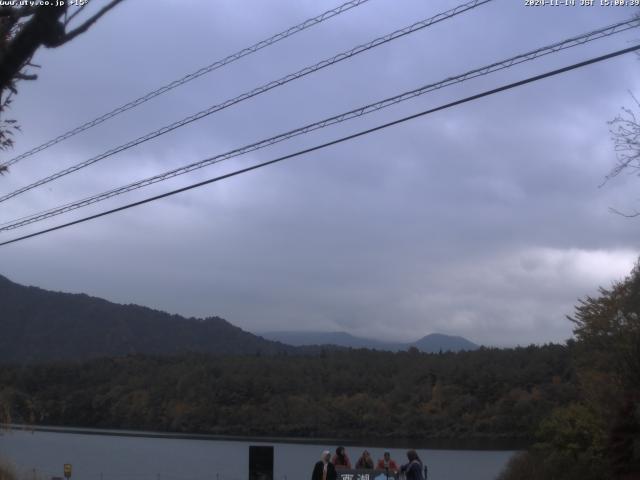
x: 481, y: 444
x: 113, y: 456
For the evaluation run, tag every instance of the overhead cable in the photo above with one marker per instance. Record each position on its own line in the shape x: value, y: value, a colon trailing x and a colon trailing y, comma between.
x: 358, y: 112
x: 252, y: 93
x: 333, y: 142
x: 189, y: 77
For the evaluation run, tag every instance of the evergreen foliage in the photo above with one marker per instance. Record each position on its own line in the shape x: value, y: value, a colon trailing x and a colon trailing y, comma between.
x: 487, y: 393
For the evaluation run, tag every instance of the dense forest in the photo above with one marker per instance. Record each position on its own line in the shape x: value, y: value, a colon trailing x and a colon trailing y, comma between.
x: 487, y: 393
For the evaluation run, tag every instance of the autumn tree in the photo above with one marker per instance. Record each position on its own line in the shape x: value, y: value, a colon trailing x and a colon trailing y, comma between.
x: 608, y: 359
x: 596, y: 437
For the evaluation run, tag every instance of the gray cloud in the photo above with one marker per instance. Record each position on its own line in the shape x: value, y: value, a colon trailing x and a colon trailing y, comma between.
x: 484, y: 220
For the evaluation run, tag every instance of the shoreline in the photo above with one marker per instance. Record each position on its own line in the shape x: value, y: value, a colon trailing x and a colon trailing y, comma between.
x: 474, y: 444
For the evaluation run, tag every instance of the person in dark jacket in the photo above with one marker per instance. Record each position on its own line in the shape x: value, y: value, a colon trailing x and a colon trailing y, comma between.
x: 341, y: 459
x: 324, y: 469
x: 365, y: 462
x: 413, y: 470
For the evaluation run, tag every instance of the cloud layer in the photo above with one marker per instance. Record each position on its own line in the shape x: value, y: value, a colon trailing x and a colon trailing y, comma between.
x: 484, y: 220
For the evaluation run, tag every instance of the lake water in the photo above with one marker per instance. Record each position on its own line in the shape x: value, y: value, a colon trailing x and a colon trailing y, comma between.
x: 110, y: 457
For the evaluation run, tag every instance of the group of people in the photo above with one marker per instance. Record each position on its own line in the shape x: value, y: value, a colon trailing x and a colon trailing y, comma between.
x: 326, y: 468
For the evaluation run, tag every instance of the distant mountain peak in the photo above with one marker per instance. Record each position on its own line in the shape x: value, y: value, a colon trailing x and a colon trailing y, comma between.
x: 432, y: 343
x: 438, y: 341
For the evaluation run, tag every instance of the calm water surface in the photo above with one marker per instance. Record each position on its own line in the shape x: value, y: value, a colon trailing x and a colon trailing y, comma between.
x: 106, y: 457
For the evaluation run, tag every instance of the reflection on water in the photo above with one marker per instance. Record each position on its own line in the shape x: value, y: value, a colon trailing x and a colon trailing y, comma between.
x: 108, y: 457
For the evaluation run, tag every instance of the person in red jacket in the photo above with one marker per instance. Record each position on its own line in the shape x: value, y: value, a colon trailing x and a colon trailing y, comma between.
x: 387, y: 463
x: 340, y: 459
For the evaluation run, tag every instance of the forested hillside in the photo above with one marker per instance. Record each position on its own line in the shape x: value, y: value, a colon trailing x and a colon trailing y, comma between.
x: 359, y: 393
x: 39, y: 325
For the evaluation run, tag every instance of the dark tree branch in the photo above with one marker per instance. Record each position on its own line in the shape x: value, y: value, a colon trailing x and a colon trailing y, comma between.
x: 625, y: 134
x: 17, y: 12
x: 26, y: 76
x: 71, y: 17
x: 22, y: 31
x: 90, y: 21
x: 634, y: 214
x: 43, y: 28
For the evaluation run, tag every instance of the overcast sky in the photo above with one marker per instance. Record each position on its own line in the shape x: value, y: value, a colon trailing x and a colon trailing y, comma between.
x: 485, y: 220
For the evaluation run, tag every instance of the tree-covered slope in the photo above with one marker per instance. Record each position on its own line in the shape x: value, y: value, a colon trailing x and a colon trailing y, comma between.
x: 487, y: 393
x: 40, y: 325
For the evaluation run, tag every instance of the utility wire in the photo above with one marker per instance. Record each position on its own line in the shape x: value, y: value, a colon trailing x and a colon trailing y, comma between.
x: 191, y: 76
x: 333, y: 142
x: 531, y: 55
x: 256, y: 91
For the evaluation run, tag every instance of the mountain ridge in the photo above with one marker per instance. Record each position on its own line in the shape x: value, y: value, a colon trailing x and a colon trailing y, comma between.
x: 432, y: 343
x: 41, y: 325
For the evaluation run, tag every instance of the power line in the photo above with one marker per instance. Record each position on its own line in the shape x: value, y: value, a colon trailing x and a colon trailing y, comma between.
x: 333, y: 142
x: 256, y: 91
x: 579, y: 40
x: 531, y: 55
x: 191, y: 76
